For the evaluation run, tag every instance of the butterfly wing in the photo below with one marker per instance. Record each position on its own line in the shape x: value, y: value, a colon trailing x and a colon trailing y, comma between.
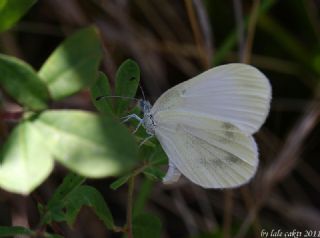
x: 209, y: 152
x: 173, y: 174
x: 235, y: 93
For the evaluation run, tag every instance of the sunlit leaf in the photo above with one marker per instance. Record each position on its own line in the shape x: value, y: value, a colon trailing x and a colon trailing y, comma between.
x: 21, y: 82
x: 11, y: 11
x: 25, y: 163
x: 86, y: 143
x: 74, y: 64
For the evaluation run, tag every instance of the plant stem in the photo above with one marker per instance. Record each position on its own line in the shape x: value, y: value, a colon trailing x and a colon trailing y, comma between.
x: 128, y: 227
x: 251, y: 30
x: 197, y: 34
x: 129, y: 207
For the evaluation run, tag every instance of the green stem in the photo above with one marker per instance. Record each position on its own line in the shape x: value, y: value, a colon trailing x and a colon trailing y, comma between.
x: 128, y: 227
x: 129, y: 207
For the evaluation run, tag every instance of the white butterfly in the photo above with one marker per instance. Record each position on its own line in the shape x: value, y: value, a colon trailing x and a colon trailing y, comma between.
x: 205, y: 125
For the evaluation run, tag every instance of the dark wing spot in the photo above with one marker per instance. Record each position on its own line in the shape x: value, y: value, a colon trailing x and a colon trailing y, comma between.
x: 231, y: 159
x: 228, y: 131
x: 228, y: 126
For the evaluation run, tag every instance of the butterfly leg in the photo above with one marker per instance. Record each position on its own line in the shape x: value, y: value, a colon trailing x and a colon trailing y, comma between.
x: 145, y: 140
x: 138, y: 126
x: 132, y: 116
x: 140, y: 120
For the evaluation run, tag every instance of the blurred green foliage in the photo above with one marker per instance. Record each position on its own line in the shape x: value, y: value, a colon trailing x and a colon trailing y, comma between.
x: 84, y: 142
x: 22, y: 83
x: 73, y: 65
x: 12, y: 10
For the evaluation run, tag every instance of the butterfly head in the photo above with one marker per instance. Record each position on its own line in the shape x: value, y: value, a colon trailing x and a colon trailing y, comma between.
x: 145, y: 106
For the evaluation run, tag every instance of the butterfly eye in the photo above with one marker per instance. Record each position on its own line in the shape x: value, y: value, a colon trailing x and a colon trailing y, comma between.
x: 145, y: 106
x: 141, y: 104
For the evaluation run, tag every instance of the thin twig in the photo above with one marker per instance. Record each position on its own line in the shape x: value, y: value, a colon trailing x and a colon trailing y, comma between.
x: 209, y: 220
x: 309, y: 174
x: 312, y: 13
x: 240, y: 26
x: 129, y: 206
x: 249, y: 203
x: 251, y: 30
x: 206, y: 28
x: 197, y: 35
x: 185, y: 213
x: 128, y: 228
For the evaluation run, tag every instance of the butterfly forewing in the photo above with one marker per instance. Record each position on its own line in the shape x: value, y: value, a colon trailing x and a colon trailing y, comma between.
x: 235, y: 93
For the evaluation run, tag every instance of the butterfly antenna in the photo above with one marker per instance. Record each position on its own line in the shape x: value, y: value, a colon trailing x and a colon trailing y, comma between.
x: 142, y: 92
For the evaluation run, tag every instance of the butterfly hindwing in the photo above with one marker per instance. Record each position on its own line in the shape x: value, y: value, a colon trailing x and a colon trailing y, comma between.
x: 211, y: 153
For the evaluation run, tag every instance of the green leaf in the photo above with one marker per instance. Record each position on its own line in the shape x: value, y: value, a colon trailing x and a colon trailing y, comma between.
x: 21, y: 82
x: 6, y: 231
x: 120, y: 181
x: 55, y: 213
x: 154, y: 173
x: 25, y: 163
x: 86, y: 143
x: 88, y: 196
x: 74, y: 64
x: 127, y: 82
x: 11, y: 11
x: 158, y: 156
x: 102, y: 88
x: 70, y: 197
x: 146, y: 226
x: 70, y: 183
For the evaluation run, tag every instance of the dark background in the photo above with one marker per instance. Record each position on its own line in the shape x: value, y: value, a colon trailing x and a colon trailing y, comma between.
x: 173, y: 40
